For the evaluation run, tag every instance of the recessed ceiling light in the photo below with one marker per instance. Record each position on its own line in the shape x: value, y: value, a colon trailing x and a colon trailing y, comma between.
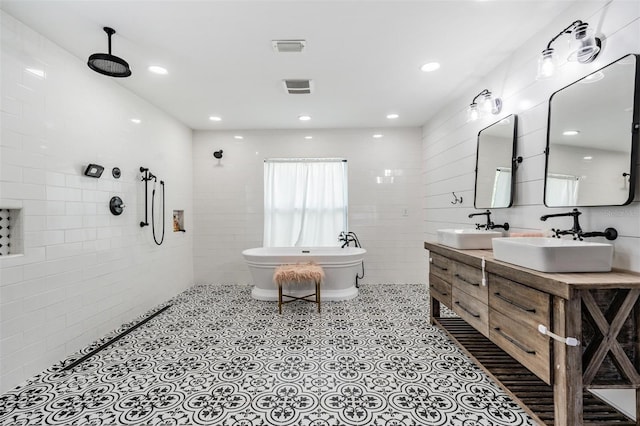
x: 238, y: 137
x: 570, y: 132
x: 378, y: 135
x: 430, y: 66
x: 392, y: 116
x: 308, y: 137
x: 588, y: 157
x: 158, y: 70
x: 304, y: 117
x: 136, y: 120
x: 37, y: 72
x: 215, y: 118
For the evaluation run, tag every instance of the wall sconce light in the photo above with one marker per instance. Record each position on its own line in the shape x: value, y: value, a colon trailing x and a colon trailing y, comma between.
x: 483, y: 103
x: 583, y: 47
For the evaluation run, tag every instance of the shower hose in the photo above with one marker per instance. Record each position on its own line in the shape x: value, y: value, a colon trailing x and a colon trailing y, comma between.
x: 153, y: 219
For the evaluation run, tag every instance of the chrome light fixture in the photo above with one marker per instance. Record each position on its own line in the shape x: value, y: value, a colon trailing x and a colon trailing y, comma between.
x: 583, y: 47
x: 483, y: 103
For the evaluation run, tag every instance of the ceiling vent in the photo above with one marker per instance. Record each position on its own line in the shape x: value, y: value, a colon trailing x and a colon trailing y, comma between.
x: 297, y: 87
x: 288, y: 46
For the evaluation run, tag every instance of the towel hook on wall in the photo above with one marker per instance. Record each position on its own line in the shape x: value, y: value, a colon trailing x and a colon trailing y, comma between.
x: 456, y: 199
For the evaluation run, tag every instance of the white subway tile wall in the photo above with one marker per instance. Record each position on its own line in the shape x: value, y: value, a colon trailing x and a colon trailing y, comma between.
x: 84, y: 272
x: 228, y: 197
x: 449, y: 143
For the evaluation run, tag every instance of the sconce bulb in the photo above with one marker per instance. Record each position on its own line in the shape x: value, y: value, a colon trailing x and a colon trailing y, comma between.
x: 472, y: 112
x: 487, y: 103
x: 546, y: 64
x: 496, y: 106
x: 583, y: 45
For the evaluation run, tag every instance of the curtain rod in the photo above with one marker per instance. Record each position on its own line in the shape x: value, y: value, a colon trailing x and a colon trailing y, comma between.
x: 305, y: 160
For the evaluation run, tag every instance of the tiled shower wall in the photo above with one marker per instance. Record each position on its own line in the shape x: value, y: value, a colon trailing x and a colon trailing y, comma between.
x: 449, y: 143
x: 84, y: 271
x: 384, y: 201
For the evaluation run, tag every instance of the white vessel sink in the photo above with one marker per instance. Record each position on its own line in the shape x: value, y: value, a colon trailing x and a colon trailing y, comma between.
x: 554, y: 255
x: 467, y: 239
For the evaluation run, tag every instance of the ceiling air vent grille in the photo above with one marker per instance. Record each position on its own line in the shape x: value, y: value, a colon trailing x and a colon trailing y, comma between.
x: 288, y: 46
x: 297, y: 87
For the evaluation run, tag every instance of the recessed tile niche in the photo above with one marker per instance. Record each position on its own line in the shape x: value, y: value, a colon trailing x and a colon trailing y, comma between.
x: 11, y: 241
x: 178, y: 221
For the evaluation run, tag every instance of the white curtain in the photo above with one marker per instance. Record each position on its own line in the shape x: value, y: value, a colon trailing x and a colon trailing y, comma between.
x: 562, y: 190
x: 305, y: 202
x: 501, y: 188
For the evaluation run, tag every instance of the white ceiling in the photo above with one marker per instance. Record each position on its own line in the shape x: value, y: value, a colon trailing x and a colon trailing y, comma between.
x: 363, y: 56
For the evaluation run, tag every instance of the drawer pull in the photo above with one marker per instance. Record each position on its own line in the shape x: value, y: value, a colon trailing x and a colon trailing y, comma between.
x: 461, y: 278
x: 473, y: 314
x: 517, y: 305
x: 438, y: 291
x: 515, y: 342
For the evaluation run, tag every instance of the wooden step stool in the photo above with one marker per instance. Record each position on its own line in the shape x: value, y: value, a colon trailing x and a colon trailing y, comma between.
x: 299, y: 273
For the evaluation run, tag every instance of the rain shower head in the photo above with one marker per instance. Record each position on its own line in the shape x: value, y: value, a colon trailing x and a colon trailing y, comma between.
x: 108, y: 64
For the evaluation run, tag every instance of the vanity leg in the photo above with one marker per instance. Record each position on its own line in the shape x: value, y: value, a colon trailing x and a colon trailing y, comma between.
x: 434, y: 311
x: 567, y: 361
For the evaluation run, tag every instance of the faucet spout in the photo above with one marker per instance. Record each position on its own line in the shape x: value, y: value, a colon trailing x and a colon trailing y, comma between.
x: 487, y: 213
x: 575, y: 213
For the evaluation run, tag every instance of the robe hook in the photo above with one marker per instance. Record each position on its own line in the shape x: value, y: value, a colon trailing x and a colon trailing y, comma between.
x: 456, y: 199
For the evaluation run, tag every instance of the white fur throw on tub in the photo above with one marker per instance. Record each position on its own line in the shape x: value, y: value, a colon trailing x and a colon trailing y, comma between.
x: 298, y: 273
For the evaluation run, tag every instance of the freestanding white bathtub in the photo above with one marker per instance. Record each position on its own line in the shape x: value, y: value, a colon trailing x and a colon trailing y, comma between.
x: 341, y: 265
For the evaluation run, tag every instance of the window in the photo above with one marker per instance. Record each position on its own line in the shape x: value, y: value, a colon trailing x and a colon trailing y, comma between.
x: 305, y: 202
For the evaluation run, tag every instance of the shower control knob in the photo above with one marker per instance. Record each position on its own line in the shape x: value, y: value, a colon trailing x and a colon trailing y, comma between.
x: 116, y: 205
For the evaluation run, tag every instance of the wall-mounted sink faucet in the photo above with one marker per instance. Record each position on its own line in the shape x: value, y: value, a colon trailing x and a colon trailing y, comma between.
x: 577, y: 232
x: 489, y: 225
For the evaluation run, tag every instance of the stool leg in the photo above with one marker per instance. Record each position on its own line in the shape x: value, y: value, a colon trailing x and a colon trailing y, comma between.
x: 318, y: 295
x: 280, y: 298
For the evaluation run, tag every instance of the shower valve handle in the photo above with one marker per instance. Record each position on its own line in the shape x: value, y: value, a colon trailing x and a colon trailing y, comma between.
x: 116, y: 205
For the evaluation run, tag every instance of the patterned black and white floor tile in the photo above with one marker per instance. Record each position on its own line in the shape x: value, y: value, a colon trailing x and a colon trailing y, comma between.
x: 218, y: 357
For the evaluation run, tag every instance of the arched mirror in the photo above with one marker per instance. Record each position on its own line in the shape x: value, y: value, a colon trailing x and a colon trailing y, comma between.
x: 592, y: 139
x: 495, y: 164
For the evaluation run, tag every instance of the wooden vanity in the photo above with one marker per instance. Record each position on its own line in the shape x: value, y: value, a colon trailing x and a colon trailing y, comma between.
x: 500, y: 307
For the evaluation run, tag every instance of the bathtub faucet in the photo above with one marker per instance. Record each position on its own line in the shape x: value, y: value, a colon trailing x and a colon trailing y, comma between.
x: 347, y: 238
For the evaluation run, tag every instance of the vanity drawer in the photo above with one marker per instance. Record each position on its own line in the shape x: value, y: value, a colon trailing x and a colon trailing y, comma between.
x: 469, y: 279
x: 522, y: 342
x: 440, y: 290
x: 440, y: 266
x: 522, y: 303
x: 472, y: 310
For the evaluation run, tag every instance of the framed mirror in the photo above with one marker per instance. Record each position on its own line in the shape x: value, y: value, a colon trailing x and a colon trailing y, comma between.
x: 592, y: 138
x: 495, y: 164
